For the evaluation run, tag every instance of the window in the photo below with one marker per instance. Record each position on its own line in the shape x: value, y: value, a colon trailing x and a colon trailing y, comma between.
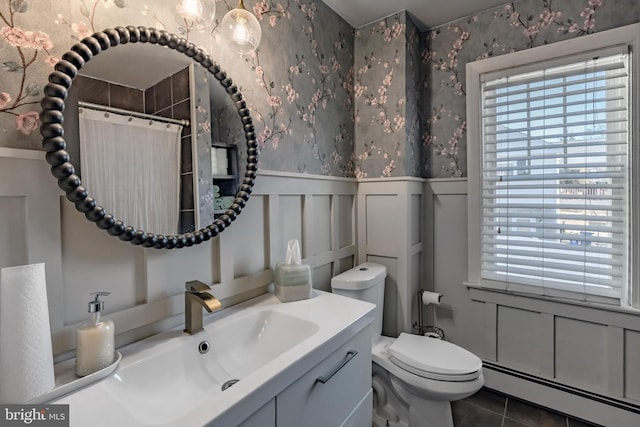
x: 551, y: 169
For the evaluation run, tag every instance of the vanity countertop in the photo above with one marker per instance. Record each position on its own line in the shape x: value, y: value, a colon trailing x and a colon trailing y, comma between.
x: 164, y: 381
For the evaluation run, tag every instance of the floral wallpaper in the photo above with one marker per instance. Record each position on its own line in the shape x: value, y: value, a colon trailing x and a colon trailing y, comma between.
x: 386, y: 92
x: 300, y: 97
x: 379, y: 101
x: 515, y: 26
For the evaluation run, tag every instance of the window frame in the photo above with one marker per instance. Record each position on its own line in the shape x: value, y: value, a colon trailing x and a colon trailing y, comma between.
x: 539, y: 58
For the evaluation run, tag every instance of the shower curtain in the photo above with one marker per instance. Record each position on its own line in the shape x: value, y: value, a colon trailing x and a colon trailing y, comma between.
x: 131, y: 167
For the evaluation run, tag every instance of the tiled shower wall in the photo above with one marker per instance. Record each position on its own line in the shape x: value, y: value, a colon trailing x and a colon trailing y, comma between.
x: 168, y: 98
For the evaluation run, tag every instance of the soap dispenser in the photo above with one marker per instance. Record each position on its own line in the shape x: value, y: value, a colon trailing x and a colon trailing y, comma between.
x: 95, y: 347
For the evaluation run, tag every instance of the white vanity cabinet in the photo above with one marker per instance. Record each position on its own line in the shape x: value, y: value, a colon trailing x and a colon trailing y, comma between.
x: 263, y: 417
x: 335, y: 393
x: 329, y: 393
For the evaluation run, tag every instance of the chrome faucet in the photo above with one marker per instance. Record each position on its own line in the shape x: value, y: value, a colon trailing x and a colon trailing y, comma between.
x: 195, y: 298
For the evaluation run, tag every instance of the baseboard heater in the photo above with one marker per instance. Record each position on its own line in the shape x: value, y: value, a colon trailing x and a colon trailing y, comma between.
x: 494, y: 372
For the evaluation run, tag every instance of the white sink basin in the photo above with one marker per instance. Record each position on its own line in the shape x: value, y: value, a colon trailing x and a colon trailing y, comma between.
x: 264, y: 344
x: 171, y: 381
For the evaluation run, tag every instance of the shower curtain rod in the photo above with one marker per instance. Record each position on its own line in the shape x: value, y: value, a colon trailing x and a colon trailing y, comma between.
x: 132, y: 113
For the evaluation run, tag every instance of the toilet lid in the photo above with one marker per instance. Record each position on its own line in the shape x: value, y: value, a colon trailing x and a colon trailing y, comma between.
x: 434, y: 358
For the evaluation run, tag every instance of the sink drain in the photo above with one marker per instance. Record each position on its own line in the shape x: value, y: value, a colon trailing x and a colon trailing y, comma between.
x: 228, y: 384
x: 204, y: 347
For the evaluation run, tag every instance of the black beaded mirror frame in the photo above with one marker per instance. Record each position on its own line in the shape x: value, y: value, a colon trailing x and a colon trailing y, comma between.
x: 52, y: 119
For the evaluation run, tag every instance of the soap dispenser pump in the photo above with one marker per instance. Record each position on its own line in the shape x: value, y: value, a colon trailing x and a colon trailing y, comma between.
x: 95, y: 343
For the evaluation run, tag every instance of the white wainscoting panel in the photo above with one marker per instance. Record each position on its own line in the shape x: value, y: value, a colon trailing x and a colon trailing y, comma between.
x: 390, y: 232
x: 581, y: 354
x: 30, y: 219
x: 523, y: 328
x: 632, y: 364
x: 147, y: 285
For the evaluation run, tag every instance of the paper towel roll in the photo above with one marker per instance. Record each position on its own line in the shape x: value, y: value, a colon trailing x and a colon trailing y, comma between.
x: 431, y: 297
x: 26, y: 356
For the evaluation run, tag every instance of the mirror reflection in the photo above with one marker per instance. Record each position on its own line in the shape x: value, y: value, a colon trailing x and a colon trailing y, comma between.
x: 154, y: 139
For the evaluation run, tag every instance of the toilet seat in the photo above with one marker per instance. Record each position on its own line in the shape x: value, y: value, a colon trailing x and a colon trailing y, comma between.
x: 433, y: 358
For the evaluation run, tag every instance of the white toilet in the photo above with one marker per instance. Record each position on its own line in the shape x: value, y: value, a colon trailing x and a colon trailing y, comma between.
x: 414, y: 378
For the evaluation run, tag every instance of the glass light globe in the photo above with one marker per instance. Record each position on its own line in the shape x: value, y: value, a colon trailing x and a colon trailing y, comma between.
x: 195, y: 14
x: 241, y: 30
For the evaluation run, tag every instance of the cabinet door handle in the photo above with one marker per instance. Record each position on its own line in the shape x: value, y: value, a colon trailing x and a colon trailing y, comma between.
x: 324, y: 379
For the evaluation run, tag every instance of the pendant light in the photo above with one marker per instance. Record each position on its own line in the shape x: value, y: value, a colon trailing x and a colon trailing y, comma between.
x: 241, y: 29
x: 195, y: 14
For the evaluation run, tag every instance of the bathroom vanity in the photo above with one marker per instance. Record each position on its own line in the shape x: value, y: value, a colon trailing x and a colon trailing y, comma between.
x: 260, y: 363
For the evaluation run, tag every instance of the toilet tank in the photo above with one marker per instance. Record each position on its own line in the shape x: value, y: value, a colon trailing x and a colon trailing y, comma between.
x: 364, y: 282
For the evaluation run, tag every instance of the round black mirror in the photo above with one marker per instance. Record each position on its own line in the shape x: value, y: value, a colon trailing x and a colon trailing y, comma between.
x: 52, y: 130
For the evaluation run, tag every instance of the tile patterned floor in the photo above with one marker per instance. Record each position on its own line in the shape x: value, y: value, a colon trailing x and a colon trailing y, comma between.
x: 491, y: 409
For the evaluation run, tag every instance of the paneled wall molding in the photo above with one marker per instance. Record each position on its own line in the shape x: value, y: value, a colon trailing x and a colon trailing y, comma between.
x: 312, y: 195
x: 440, y: 186
x: 30, y: 220
x: 147, y: 285
x: 570, y: 309
x: 390, y: 232
x: 302, y: 183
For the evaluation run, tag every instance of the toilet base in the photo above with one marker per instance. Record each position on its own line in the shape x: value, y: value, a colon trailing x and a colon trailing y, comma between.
x: 395, y: 406
x: 430, y: 413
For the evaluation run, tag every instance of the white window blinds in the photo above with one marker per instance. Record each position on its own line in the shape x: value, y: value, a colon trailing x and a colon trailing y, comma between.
x: 555, y: 176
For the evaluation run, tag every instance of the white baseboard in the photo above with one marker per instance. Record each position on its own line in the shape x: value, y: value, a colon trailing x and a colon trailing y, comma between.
x: 568, y: 400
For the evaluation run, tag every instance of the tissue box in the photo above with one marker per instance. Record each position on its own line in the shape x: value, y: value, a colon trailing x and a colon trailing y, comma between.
x: 293, y: 282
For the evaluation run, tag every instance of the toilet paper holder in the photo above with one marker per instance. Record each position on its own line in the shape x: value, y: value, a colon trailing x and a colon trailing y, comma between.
x: 420, y: 327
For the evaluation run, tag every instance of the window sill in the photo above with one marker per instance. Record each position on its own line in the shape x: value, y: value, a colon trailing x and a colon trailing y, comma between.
x: 500, y: 296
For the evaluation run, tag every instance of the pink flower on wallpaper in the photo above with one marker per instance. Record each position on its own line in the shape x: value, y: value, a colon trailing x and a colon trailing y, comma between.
x: 52, y: 60
x: 388, y: 79
x: 26, y: 39
x: 274, y: 101
x: 292, y: 95
x: 294, y: 70
x: 272, y: 20
x: 81, y: 29
x: 547, y: 17
x: 427, y: 56
x: 205, y: 126
x: 595, y: 3
x: 5, y: 99
x: 398, y: 29
x: 589, y: 22
x: 40, y: 39
x: 15, y: 37
x: 259, y: 9
x: 264, y: 136
x: 274, y: 142
x: 335, y: 64
x: 28, y: 122
x: 389, y: 168
x: 359, y: 90
x: 316, y: 97
x: 398, y: 122
x: 335, y: 157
